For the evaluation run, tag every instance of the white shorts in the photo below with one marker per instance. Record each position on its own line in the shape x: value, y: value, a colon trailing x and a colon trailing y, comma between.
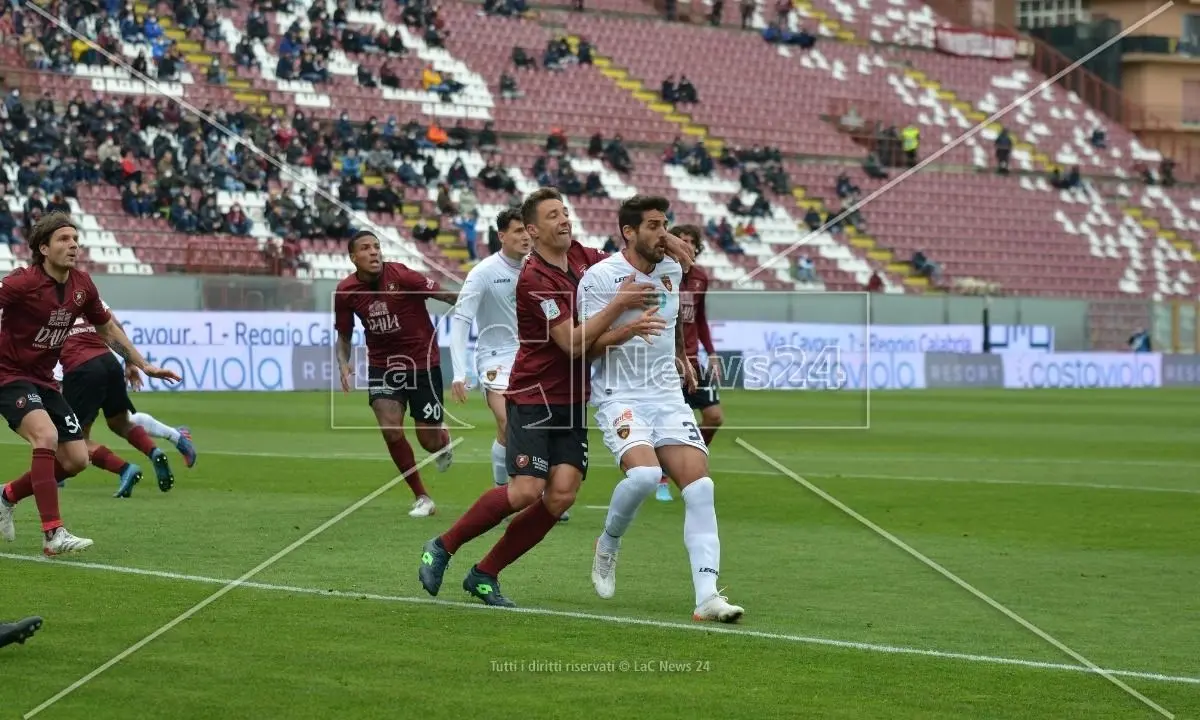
x: 494, y: 371
x: 657, y: 424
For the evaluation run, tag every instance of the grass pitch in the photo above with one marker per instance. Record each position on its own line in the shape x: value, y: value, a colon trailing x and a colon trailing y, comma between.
x: 1078, y: 510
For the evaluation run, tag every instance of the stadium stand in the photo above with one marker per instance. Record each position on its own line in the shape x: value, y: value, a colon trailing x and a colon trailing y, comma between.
x: 386, y: 104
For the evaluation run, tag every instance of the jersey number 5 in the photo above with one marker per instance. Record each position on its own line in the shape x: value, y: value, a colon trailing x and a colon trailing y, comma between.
x: 72, y: 423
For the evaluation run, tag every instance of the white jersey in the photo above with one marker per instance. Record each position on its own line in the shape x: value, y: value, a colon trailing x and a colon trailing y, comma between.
x: 488, y: 298
x: 637, y: 370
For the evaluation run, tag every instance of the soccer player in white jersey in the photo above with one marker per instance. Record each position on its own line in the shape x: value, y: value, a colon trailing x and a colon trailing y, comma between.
x: 640, y: 408
x: 488, y: 296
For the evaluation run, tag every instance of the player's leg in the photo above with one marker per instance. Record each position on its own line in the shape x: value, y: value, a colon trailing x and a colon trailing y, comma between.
x: 389, y: 413
x: 425, y: 402
x: 495, y: 401
x: 180, y: 437
x: 533, y: 523
x: 28, y: 409
x: 71, y: 458
x: 684, y: 456
x: 627, y: 436
x: 118, y: 409
x: 87, y: 390
x: 128, y: 474
x: 20, y: 631
x: 528, y: 447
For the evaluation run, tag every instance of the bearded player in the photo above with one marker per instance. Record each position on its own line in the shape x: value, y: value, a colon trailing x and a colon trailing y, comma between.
x: 640, y: 409
x: 403, y: 360
x: 40, y: 305
x: 547, y: 440
x: 93, y: 380
x: 694, y: 318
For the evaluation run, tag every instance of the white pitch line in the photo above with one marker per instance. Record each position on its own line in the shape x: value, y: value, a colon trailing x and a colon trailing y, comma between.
x: 750, y: 471
x: 229, y: 586
x: 612, y: 619
x: 933, y: 565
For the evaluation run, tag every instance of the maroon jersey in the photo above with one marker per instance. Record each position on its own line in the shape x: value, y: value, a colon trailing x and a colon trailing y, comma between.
x: 398, y: 330
x: 38, y: 315
x: 83, y: 344
x: 542, y: 372
x: 692, y: 313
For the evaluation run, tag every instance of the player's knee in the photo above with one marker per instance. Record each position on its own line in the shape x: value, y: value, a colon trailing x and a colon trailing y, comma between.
x: 524, y: 491
x: 74, y: 460
x: 119, y: 424
x: 713, y: 417
x: 559, y: 499
x: 393, y: 435
x: 41, y: 435
x: 700, y: 492
x: 432, y: 437
x: 644, y: 479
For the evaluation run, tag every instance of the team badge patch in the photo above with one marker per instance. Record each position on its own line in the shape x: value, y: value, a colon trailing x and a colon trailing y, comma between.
x: 522, y: 461
x: 392, y: 287
x: 623, y: 432
x: 430, y: 284
x: 20, y: 403
x: 491, y: 375
x: 79, y: 297
x: 667, y: 284
x: 550, y: 309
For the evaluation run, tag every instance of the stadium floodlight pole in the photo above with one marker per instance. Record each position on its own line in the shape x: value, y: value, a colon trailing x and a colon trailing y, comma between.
x: 978, y: 128
x: 936, y: 567
x: 296, y: 178
x: 233, y: 585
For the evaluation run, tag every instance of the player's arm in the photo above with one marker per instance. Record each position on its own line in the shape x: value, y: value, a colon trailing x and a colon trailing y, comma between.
x: 686, y: 372
x: 114, y: 336
x: 11, y: 290
x: 600, y: 312
x: 704, y: 333
x: 681, y: 251
x: 343, y: 324
x: 460, y: 331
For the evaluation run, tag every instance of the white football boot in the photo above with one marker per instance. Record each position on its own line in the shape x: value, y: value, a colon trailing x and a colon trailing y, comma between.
x: 604, y: 572
x: 717, y: 608
x: 422, y: 507
x: 62, y: 542
x: 7, y: 530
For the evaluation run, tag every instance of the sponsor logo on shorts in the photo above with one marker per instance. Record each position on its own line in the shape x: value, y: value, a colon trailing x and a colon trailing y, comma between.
x: 522, y: 461
x: 667, y: 283
x: 491, y: 375
x: 623, y: 432
x: 80, y: 297
x: 626, y: 417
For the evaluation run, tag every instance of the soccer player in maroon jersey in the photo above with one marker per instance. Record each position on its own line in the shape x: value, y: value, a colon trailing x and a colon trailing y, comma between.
x: 403, y: 358
x: 40, y: 304
x: 93, y: 380
x: 546, y: 400
x: 694, y: 317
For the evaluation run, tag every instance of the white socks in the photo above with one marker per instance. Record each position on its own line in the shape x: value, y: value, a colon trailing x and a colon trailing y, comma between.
x: 499, y: 464
x: 154, y: 427
x: 627, y: 497
x: 700, y: 537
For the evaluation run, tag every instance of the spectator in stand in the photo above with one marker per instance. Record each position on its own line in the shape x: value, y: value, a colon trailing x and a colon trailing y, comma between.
x: 618, y: 156
x: 430, y: 171
x: 747, y: 8
x: 749, y: 180
x: 1004, y: 144
x: 445, y: 204
x: 594, y: 187
x: 910, y: 142
x: 457, y: 175
x: 844, y: 188
x: 714, y: 15
x: 385, y: 198
x: 875, y: 282
x: 388, y: 77
x: 436, y: 135
x: 686, y: 91
x: 1099, y: 138
x: 216, y: 74
x: 668, y: 92
x: 521, y: 58
x: 804, y: 270
x: 925, y: 267
x: 556, y: 143
x: 236, y: 222
x: 257, y: 27
x: 459, y: 137
x: 595, y: 146
x: 584, y: 52
x: 181, y: 216
x: 467, y: 225
x: 493, y: 178
x: 1166, y: 171
x: 488, y: 142
x: 508, y: 87
x: 812, y: 219
x: 365, y: 78
x: 872, y: 167
x: 1070, y: 181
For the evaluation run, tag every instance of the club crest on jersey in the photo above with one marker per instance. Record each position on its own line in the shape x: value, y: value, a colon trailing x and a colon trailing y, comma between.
x: 80, y: 297
x: 522, y: 461
x: 430, y: 284
x: 623, y: 432
x: 392, y: 287
x: 667, y: 284
x: 491, y: 375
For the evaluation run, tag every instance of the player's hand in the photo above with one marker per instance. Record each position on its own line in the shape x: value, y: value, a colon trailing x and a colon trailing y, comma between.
x: 634, y: 295
x: 648, y: 325
x: 681, y: 251
x: 155, y: 371
x: 688, y: 373
x: 133, y: 377
x: 714, y: 369
x: 458, y: 390
x: 346, y: 372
